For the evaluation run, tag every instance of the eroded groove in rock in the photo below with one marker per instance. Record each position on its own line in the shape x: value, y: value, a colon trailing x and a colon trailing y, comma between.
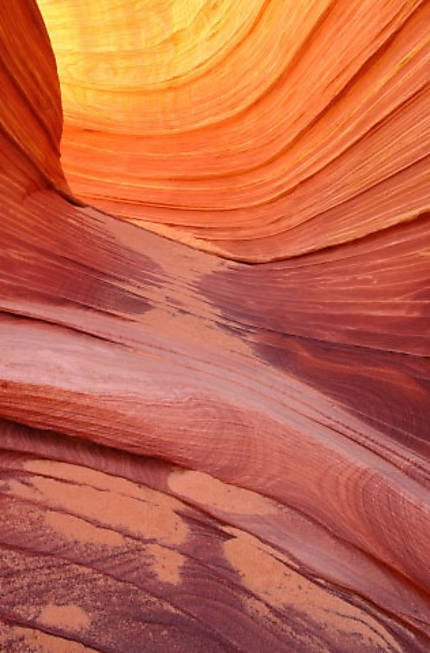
x: 197, y: 454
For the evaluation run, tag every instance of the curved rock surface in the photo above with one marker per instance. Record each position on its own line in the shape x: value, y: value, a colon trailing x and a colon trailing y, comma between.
x: 256, y: 130
x: 196, y: 453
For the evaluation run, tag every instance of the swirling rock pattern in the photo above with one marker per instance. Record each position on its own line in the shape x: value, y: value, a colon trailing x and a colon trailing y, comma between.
x: 221, y: 447
x: 256, y: 130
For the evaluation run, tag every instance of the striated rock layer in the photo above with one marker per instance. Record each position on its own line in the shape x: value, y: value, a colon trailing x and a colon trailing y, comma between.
x: 255, y: 129
x: 196, y: 453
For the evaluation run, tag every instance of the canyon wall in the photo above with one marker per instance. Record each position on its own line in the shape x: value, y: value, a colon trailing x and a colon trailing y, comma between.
x: 215, y: 334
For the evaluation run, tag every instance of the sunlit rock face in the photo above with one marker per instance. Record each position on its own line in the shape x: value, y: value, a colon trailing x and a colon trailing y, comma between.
x: 198, y: 454
x: 255, y: 130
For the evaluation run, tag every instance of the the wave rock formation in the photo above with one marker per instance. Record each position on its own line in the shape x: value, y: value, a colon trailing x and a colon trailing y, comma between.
x: 214, y: 326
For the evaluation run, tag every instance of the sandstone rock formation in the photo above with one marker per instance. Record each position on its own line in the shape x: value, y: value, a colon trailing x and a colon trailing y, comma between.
x: 219, y: 443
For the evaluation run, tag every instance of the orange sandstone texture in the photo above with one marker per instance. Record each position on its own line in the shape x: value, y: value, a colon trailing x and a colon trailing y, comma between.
x: 198, y: 454
x: 254, y: 129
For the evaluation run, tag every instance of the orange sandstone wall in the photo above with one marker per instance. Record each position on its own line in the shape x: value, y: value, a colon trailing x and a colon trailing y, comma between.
x: 198, y: 454
x: 255, y: 129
